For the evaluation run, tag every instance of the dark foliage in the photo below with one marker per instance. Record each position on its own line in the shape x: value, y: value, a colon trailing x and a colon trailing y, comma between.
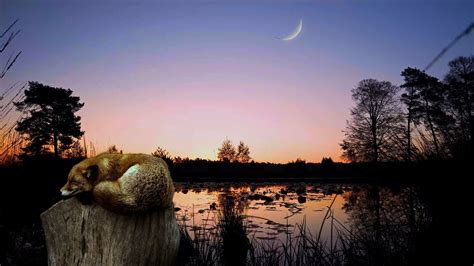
x: 372, y: 133
x: 437, y: 121
x: 50, y: 120
x: 33, y: 186
x: 426, y: 106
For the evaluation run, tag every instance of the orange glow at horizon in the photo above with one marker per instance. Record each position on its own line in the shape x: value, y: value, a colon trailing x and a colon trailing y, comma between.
x: 277, y: 129
x: 185, y: 77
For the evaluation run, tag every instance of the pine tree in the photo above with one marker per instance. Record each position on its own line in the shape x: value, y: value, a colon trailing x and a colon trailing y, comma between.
x: 50, y: 118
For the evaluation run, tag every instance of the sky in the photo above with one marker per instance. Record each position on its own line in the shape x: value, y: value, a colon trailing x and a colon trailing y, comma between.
x: 186, y: 75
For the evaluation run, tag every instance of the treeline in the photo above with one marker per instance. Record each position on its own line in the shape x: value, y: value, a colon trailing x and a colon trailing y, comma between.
x: 423, y: 119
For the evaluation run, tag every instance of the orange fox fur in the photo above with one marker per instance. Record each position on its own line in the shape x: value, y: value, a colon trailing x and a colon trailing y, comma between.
x: 123, y: 182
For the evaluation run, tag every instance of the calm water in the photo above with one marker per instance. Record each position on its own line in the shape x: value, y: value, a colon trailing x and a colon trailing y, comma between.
x: 274, y: 211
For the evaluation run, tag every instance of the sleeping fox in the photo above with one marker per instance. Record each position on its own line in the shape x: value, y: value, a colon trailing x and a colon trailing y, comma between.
x: 123, y: 183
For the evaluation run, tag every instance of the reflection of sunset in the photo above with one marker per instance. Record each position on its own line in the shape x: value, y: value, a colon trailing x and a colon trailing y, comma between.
x: 264, y: 219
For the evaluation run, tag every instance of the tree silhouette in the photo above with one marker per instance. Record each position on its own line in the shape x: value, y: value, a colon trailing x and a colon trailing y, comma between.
x: 327, y: 161
x: 434, y: 115
x: 243, y: 153
x: 412, y: 100
x: 425, y: 102
x: 163, y: 154
x: 50, y: 118
x: 391, y: 223
x: 113, y: 149
x: 460, y: 82
x: 226, y: 152
x: 375, y: 125
x: 327, y: 165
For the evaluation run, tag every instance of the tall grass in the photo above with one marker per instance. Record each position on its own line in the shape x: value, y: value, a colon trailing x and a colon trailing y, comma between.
x: 229, y: 243
x: 366, y: 242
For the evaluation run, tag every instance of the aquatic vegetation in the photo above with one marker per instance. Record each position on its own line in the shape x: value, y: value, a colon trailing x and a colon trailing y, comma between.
x: 380, y: 222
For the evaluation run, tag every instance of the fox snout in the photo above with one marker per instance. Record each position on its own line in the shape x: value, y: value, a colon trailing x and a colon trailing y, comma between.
x: 67, y: 192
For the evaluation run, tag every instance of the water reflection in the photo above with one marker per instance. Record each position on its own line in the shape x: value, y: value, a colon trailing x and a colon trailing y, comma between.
x: 232, y: 228
x: 386, y: 222
x: 267, y: 208
x: 237, y: 224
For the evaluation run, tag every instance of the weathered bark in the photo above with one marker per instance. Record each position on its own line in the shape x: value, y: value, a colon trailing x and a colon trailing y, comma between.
x: 78, y: 234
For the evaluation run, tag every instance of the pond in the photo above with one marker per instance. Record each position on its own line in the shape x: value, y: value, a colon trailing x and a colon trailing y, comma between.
x: 326, y: 223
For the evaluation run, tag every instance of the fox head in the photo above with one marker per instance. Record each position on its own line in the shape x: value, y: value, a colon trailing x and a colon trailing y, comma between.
x: 80, y: 179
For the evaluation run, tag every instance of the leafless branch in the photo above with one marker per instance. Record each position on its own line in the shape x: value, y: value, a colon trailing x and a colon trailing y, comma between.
x: 9, y: 28
x: 9, y: 64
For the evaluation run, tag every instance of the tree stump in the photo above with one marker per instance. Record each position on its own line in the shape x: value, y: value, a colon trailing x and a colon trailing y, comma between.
x: 78, y: 234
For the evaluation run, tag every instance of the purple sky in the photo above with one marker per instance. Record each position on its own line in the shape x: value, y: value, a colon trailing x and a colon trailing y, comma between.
x: 185, y: 75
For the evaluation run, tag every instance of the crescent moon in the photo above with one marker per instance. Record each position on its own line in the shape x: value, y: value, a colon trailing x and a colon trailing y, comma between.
x: 295, y: 33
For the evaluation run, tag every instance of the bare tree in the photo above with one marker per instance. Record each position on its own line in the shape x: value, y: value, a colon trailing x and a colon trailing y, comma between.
x: 243, y: 153
x: 226, y: 152
x: 375, y: 123
x: 460, y: 81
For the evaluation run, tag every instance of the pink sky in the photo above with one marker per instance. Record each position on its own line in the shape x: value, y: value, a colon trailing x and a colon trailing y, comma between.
x: 187, y: 76
x: 194, y: 118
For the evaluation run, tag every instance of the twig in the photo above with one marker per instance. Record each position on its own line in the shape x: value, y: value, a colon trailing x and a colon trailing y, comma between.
x: 9, y: 64
x: 8, y: 29
x: 445, y: 49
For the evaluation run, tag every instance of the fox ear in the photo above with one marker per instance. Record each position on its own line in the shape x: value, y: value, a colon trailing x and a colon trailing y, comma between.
x: 91, y: 172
